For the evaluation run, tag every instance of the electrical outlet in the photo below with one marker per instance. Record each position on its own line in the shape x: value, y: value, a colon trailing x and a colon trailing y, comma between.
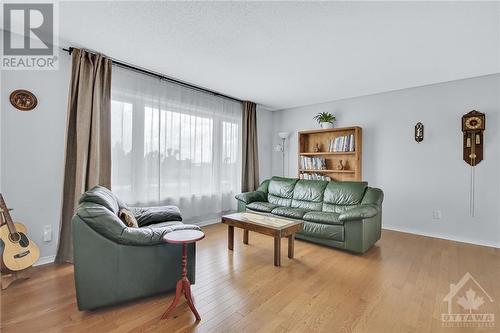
x: 437, y: 215
x: 47, y: 233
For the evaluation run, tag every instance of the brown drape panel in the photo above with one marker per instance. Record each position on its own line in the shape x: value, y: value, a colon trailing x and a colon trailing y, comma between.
x: 250, y: 160
x: 88, y: 137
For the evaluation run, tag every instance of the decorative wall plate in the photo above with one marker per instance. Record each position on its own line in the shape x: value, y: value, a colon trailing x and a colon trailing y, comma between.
x: 419, y: 132
x: 23, y: 100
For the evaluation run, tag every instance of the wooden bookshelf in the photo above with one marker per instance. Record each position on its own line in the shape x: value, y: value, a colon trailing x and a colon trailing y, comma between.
x: 351, y: 159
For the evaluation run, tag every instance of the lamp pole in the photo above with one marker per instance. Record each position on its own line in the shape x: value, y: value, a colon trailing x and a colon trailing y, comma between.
x: 283, y: 156
x: 283, y: 136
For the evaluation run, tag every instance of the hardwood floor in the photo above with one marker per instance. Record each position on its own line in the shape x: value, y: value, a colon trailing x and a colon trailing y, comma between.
x: 398, y: 286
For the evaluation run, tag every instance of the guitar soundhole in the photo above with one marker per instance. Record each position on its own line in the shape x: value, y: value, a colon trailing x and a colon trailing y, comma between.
x: 20, y: 238
x: 24, y: 242
x: 14, y: 237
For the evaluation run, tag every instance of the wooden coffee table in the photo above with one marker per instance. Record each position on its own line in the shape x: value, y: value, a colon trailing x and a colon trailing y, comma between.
x: 267, y: 225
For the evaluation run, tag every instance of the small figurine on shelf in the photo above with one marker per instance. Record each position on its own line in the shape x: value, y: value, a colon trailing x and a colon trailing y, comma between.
x: 317, y: 148
x: 340, y: 166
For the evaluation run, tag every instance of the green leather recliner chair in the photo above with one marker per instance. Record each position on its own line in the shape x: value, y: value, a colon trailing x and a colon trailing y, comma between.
x: 114, y: 263
x: 345, y: 215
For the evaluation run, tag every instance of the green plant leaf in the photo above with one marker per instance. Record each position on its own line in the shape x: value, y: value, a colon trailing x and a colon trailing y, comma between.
x: 324, y: 117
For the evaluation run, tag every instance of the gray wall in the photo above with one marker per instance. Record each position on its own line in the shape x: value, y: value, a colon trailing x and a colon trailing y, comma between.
x: 265, y: 133
x: 419, y: 178
x: 33, y: 151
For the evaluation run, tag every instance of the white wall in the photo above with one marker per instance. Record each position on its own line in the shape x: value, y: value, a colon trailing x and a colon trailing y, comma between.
x: 419, y: 178
x: 33, y: 151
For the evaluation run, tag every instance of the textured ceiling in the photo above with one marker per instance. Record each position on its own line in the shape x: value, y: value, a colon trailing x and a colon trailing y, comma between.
x: 285, y: 54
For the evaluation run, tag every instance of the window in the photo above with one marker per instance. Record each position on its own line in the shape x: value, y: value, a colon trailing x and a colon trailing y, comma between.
x: 174, y: 145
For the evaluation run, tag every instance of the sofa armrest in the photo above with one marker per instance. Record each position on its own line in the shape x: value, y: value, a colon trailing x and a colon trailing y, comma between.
x: 359, y: 213
x: 107, y: 224
x: 150, y: 235
x: 150, y: 215
x: 249, y: 197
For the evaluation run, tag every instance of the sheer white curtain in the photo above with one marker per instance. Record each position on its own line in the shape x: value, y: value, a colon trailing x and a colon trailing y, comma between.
x: 174, y: 145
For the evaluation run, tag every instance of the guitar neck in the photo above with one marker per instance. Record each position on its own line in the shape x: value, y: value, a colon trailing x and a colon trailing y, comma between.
x: 6, y: 215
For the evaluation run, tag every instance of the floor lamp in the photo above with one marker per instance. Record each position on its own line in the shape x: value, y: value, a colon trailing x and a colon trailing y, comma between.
x: 281, y: 147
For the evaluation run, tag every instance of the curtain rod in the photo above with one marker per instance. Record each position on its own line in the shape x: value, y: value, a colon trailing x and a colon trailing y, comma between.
x: 162, y: 77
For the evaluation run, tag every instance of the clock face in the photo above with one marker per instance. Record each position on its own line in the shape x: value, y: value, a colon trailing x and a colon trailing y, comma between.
x: 473, y: 123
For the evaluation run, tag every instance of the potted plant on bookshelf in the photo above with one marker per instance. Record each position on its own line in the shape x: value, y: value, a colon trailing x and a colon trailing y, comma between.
x: 325, y: 119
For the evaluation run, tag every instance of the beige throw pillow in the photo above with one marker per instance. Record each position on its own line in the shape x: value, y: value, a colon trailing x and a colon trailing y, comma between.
x: 128, y: 218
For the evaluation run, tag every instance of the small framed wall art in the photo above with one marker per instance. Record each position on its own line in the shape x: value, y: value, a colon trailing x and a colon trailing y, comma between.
x: 23, y: 100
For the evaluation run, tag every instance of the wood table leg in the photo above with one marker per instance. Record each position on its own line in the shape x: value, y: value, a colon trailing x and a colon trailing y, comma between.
x: 291, y: 239
x: 183, y: 288
x: 189, y: 299
x: 178, y: 293
x: 230, y: 237
x: 277, y: 251
x: 245, y: 236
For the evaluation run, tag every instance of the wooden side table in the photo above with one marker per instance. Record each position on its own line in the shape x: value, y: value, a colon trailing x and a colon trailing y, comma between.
x: 183, y: 286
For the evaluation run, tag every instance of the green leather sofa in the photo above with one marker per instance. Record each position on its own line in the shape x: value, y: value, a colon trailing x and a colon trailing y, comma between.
x: 345, y: 215
x: 114, y: 263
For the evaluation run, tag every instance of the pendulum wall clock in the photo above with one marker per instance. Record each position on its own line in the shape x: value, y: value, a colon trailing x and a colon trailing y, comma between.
x: 473, y: 126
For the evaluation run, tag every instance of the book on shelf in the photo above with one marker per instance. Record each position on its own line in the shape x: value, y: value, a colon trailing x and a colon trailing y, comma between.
x: 314, y: 176
x: 312, y: 163
x: 344, y: 143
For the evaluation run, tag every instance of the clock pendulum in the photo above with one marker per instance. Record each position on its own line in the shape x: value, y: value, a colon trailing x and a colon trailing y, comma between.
x: 473, y: 125
x: 472, y: 146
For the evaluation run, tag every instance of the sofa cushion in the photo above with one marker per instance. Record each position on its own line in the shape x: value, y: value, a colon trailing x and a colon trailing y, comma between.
x: 326, y: 231
x: 308, y: 194
x: 261, y: 206
x: 264, y: 186
x: 323, y: 217
x: 164, y: 224
x: 280, y: 191
x: 293, y: 213
x: 340, y: 196
x: 151, y: 215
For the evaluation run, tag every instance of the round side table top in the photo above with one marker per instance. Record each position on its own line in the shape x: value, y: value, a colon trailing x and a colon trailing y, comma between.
x: 183, y: 236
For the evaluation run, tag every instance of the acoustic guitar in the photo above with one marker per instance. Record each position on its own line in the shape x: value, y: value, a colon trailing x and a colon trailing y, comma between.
x: 19, y: 251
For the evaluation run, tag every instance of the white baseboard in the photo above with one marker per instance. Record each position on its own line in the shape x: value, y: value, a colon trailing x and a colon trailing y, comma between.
x: 441, y: 236
x: 208, y: 222
x: 45, y: 260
